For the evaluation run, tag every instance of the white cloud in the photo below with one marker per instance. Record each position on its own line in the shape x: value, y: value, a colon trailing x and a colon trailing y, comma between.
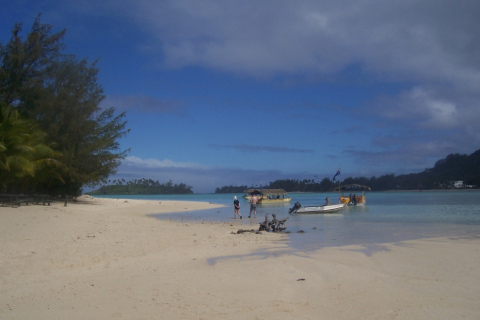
x: 259, y: 38
x: 435, y: 40
x: 424, y: 108
x: 439, y: 113
x: 151, y: 163
x: 419, y: 40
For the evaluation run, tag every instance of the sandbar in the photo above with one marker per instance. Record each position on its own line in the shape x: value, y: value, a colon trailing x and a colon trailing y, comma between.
x: 110, y: 259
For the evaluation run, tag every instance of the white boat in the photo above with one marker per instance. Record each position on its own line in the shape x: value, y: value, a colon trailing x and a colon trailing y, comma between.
x: 331, y: 208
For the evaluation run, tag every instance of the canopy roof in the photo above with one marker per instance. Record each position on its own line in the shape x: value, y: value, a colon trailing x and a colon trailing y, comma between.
x: 352, y: 186
x: 266, y: 192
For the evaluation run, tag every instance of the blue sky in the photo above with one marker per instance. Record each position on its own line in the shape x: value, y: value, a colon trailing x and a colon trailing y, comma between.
x: 247, y: 92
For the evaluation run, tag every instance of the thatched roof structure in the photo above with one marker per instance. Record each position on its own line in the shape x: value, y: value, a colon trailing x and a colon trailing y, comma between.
x: 266, y: 192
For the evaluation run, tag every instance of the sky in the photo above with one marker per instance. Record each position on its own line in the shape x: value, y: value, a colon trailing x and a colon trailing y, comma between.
x: 221, y: 92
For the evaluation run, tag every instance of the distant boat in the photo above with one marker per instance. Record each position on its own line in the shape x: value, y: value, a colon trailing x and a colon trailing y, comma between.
x: 267, y: 195
x: 352, y: 199
x: 332, y: 208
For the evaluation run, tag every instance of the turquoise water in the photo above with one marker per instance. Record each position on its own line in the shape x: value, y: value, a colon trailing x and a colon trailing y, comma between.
x: 387, y: 217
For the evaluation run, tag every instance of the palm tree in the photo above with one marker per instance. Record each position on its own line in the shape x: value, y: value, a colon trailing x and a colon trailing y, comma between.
x: 23, y: 151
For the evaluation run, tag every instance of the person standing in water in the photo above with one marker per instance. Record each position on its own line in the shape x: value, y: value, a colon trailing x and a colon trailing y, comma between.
x: 253, y: 206
x: 236, y: 205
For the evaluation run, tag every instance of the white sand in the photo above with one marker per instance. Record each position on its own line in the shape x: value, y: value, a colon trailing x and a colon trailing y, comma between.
x: 106, y: 259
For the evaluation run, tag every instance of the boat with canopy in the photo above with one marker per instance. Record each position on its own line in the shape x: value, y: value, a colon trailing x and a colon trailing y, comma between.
x: 347, y: 194
x: 267, y: 195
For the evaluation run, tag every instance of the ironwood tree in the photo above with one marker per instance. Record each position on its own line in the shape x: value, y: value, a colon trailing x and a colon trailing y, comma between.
x: 62, y: 95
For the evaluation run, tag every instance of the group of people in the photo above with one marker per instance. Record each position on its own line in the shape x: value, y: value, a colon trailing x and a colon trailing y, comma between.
x: 253, y: 207
x: 353, y: 199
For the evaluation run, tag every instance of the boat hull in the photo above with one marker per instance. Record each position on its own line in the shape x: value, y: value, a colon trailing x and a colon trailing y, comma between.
x: 360, y: 200
x: 281, y: 200
x: 321, y: 209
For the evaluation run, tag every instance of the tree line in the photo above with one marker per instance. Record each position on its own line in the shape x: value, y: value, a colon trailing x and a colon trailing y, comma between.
x: 142, y: 186
x: 454, y: 167
x: 54, y: 137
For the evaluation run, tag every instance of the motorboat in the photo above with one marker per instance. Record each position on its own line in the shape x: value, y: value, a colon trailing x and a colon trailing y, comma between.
x: 327, y: 208
x: 332, y: 208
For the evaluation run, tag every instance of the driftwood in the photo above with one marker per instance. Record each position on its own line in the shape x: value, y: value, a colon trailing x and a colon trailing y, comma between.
x: 275, y: 225
x: 265, y: 225
x: 278, y: 225
x: 243, y: 231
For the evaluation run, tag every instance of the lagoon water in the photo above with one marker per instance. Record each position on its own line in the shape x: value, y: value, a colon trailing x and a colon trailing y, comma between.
x: 387, y: 217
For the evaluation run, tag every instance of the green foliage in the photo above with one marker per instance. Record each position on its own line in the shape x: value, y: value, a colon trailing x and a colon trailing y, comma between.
x: 24, y: 62
x: 306, y: 185
x: 62, y: 95
x: 453, y: 167
x: 289, y: 185
x: 23, y: 153
x: 231, y: 189
x: 143, y: 186
x: 458, y: 167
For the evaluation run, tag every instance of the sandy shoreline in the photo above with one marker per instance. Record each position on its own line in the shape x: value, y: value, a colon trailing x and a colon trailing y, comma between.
x: 107, y: 259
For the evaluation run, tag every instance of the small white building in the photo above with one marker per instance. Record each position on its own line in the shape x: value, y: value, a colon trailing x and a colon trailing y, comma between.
x: 458, y: 184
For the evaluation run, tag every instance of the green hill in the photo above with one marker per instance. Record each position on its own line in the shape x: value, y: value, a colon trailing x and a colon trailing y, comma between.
x: 455, y: 167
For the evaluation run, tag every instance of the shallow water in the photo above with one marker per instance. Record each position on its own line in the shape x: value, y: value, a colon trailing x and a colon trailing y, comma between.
x: 387, y: 217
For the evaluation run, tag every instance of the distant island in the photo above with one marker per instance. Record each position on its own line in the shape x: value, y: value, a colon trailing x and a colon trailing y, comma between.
x: 455, y: 171
x: 142, y: 186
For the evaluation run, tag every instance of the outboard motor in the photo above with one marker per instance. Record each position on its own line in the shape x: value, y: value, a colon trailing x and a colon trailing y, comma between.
x: 295, y: 207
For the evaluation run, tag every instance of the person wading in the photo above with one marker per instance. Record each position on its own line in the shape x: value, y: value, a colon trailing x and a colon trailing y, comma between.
x: 236, y: 205
x: 253, y: 206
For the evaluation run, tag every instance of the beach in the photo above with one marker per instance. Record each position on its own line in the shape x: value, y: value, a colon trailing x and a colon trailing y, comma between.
x: 102, y: 258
